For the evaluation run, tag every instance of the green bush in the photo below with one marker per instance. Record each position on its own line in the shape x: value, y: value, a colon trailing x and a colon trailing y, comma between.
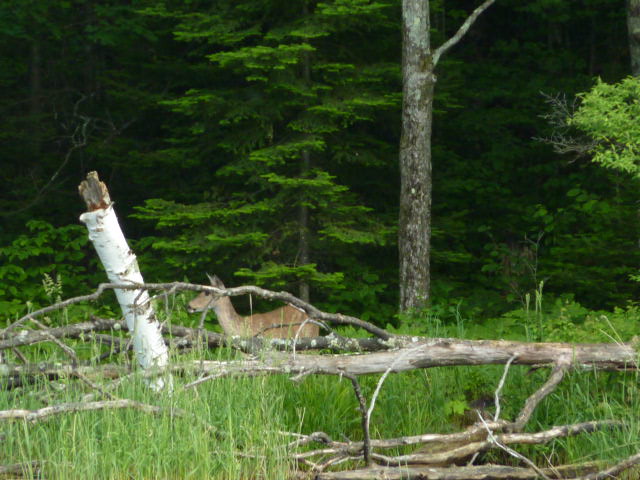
x: 44, y: 265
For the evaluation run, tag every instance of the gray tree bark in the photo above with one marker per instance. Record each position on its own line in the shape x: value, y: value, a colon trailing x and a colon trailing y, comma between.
x: 633, y: 27
x: 35, y: 96
x: 418, y: 85
x: 303, y: 209
x: 303, y: 223
x: 418, y: 82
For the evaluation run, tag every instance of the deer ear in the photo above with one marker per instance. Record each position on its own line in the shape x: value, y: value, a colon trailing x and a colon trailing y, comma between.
x: 215, y: 281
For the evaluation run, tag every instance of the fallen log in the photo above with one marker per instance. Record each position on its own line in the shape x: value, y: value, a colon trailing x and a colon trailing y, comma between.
x: 423, y: 353
x: 434, y: 352
x: 481, y: 472
x: 194, y: 336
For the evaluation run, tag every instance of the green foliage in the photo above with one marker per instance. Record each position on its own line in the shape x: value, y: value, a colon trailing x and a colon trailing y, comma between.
x: 36, y: 269
x: 455, y: 407
x: 561, y: 320
x: 287, y: 126
x: 202, y: 113
x: 609, y: 114
x: 234, y: 416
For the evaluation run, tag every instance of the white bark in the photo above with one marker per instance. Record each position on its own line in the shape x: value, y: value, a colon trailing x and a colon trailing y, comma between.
x: 121, y: 266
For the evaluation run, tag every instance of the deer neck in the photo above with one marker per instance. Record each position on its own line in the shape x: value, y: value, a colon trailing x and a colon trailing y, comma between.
x: 231, y: 322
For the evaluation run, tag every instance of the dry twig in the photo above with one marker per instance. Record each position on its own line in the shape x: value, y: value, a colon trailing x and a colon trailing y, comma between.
x: 46, y: 412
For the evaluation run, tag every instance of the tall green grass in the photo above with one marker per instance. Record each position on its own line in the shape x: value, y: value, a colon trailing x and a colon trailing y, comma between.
x: 233, y: 428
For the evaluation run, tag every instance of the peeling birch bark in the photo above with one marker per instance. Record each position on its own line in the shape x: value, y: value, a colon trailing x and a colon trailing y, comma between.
x: 121, y: 266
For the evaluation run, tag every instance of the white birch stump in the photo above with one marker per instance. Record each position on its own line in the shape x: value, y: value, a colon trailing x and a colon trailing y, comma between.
x: 121, y: 266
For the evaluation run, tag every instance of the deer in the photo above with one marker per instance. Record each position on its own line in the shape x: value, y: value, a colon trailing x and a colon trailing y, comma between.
x: 283, y: 322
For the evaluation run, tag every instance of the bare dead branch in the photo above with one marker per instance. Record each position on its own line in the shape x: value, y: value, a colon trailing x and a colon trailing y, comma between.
x: 612, y: 472
x: 21, y: 469
x: 457, y: 446
x: 285, y: 297
x: 564, y: 138
x: 362, y: 405
x: 107, y: 387
x: 95, y: 386
x: 484, y: 472
x: 495, y: 441
x: 78, y: 139
x: 425, y: 353
x: 496, y: 394
x: 76, y: 330
x: 557, y: 374
x: 19, y: 355
x: 65, y: 348
x: 47, y: 412
x: 558, y: 432
x: 437, y: 352
x: 439, y: 458
x: 464, y: 28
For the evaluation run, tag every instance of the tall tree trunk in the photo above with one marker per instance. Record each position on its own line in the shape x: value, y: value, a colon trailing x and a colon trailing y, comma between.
x: 418, y: 84
x: 414, y: 234
x: 35, y: 96
x: 121, y: 266
x: 305, y: 165
x: 303, y: 224
x: 633, y: 26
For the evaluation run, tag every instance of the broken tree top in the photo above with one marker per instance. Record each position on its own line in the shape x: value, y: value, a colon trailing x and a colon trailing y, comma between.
x: 94, y: 192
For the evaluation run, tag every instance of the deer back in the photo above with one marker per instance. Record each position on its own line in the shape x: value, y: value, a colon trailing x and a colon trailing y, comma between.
x: 283, y: 322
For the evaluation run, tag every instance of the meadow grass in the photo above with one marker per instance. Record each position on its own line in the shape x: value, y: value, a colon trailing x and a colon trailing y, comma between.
x: 233, y: 427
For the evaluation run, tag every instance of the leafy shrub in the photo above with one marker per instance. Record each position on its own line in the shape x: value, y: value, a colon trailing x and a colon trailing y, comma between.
x: 561, y: 320
x: 36, y: 268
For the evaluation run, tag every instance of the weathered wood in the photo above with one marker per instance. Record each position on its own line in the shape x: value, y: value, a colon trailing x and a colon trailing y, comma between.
x: 484, y: 472
x: 29, y: 337
x: 438, y: 352
x: 121, y: 265
x: 312, y: 312
x: 424, y: 353
x: 47, y: 412
x: 94, y: 193
x: 450, y: 453
x: 193, y: 336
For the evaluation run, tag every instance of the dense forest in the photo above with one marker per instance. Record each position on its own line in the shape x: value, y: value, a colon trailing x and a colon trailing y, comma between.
x: 439, y: 199
x: 258, y: 140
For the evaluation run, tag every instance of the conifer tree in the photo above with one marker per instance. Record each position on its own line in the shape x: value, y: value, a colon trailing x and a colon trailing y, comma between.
x: 279, y: 127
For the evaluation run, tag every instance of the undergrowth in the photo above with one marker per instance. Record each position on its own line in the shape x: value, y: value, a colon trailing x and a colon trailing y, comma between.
x: 235, y: 428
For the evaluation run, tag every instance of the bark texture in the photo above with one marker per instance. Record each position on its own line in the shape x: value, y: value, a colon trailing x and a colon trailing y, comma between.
x: 418, y: 79
x: 418, y: 86
x: 633, y: 26
x: 121, y: 267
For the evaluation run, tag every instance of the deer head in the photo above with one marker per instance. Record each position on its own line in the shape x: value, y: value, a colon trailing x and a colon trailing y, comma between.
x: 206, y: 300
